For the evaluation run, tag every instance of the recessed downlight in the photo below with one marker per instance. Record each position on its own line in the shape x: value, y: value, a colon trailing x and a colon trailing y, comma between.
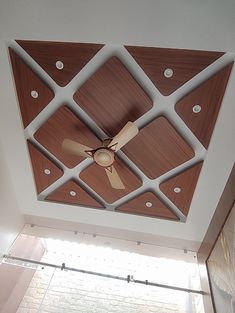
x: 47, y: 171
x: 148, y: 204
x: 34, y: 94
x: 72, y: 193
x: 59, y: 65
x: 177, y: 189
x: 197, y: 108
x: 168, y: 72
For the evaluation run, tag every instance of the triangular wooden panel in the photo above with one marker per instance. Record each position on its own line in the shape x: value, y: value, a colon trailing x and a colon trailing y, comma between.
x: 112, y: 97
x: 184, y: 63
x: 45, y: 171
x: 208, y: 96
x: 74, y: 57
x: 147, y: 204
x: 158, y: 148
x: 61, y: 125
x: 27, y: 81
x: 72, y: 193
x: 95, y: 177
x: 180, y: 188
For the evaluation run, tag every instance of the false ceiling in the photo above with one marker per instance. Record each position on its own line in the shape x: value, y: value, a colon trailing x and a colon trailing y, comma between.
x: 88, y: 92
x: 118, y: 26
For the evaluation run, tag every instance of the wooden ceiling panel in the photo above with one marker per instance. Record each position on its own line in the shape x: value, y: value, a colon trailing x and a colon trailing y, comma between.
x: 74, y: 57
x: 28, y: 84
x: 95, y: 176
x: 147, y: 204
x: 184, y: 63
x: 208, y: 96
x: 158, y: 148
x: 180, y: 188
x: 112, y: 97
x: 72, y: 193
x: 61, y: 125
x: 45, y: 171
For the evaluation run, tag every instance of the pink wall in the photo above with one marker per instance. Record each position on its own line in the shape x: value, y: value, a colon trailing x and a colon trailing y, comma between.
x: 14, y: 280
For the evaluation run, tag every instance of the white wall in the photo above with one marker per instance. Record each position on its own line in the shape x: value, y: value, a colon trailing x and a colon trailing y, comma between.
x: 11, y: 220
x: 65, y: 291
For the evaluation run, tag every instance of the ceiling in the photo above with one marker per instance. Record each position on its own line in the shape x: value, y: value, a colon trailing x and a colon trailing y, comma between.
x: 121, y: 70
x: 160, y: 166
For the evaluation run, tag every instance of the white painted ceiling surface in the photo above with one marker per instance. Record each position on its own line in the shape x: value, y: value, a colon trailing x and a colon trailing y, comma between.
x: 206, y: 25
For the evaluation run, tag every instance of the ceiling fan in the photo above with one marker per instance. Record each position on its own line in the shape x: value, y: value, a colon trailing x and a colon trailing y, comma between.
x: 104, y: 155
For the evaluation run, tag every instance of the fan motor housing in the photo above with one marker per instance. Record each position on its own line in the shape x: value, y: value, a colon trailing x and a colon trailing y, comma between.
x: 104, y: 157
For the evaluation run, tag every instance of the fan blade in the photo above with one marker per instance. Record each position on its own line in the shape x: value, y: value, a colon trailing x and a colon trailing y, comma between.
x: 114, y: 178
x: 76, y: 148
x: 128, y: 132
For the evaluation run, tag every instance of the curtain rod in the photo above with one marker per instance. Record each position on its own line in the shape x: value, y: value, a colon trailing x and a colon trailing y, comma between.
x: 128, y: 279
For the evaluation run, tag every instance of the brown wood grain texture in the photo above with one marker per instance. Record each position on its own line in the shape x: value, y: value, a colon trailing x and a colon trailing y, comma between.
x: 73, y: 55
x: 158, y: 148
x: 138, y: 206
x: 39, y: 163
x: 26, y: 81
x: 209, y: 96
x: 61, y: 125
x: 95, y: 176
x: 184, y: 63
x: 186, y: 181
x: 112, y: 97
x: 81, y: 197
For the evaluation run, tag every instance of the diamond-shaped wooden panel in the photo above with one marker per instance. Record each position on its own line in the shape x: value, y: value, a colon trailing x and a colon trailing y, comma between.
x: 184, y: 63
x: 74, y: 56
x: 61, y: 125
x: 95, y: 176
x: 158, y: 148
x: 208, y: 96
x: 72, y: 193
x: 180, y: 188
x: 147, y: 204
x: 45, y: 171
x: 112, y: 97
x: 28, y: 82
